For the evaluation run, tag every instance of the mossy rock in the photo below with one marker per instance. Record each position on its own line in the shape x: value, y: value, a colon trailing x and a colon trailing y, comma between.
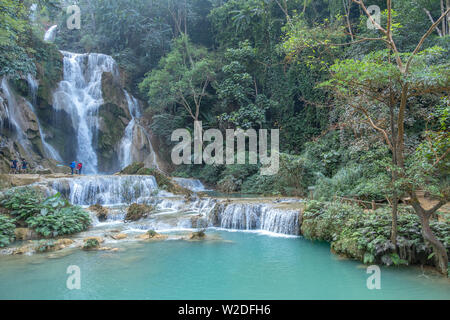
x: 132, y: 168
x: 198, y: 235
x: 164, y: 182
x: 100, y: 211
x: 92, y: 243
x: 152, y: 233
x: 138, y: 211
x: 52, y: 245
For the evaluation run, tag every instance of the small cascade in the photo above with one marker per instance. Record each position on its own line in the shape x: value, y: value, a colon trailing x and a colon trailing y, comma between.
x: 12, y: 117
x: 106, y: 190
x: 80, y: 95
x: 151, y: 160
x: 50, y: 34
x: 126, y: 152
x: 194, y: 185
x: 252, y: 216
x: 33, y: 86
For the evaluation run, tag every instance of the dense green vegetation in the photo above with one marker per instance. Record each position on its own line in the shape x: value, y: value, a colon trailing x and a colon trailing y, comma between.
x: 363, y: 112
x: 365, y: 235
x: 50, y: 217
x: 7, y: 227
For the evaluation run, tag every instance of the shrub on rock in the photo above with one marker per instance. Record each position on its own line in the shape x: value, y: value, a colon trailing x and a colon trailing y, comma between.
x: 92, y: 243
x: 138, y: 211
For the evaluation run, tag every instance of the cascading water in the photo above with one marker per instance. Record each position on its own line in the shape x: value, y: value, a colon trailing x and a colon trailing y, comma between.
x: 248, y: 216
x: 50, y: 34
x: 12, y: 115
x: 106, y: 190
x: 153, y: 161
x: 191, y: 184
x: 174, y: 211
x: 126, y: 154
x: 80, y: 95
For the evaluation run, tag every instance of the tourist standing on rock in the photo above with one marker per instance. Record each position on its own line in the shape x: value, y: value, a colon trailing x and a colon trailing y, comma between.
x: 24, y: 166
x: 72, y: 166
x: 14, y: 166
x: 79, y: 167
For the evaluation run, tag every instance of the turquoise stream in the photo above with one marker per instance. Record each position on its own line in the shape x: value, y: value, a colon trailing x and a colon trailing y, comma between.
x: 244, y: 265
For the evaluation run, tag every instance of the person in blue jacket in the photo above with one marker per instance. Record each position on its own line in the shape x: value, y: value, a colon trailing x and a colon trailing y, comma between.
x: 73, y: 165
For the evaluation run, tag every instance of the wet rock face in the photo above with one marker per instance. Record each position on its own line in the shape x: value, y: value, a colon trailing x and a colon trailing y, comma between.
x: 114, y: 116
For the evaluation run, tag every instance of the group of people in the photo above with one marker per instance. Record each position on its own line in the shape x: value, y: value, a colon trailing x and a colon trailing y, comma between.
x: 76, y: 167
x: 16, y: 168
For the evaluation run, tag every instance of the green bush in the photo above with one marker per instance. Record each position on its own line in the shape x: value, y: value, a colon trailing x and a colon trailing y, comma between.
x: 7, y: 227
x: 91, y: 244
x: 62, y: 221
x: 22, y: 202
x: 324, y: 221
x: 50, y: 217
x: 259, y: 184
x: 352, y: 181
x: 152, y: 233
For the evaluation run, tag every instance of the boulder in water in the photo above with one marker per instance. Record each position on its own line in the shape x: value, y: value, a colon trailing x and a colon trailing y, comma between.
x: 120, y: 236
x: 198, y: 235
x: 100, y: 211
x: 52, y: 245
x: 27, y: 248
x: 91, y: 243
x: 151, y: 235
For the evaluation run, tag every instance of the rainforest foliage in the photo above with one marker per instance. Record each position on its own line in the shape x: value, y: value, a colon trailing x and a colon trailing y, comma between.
x: 360, y: 98
x: 365, y: 235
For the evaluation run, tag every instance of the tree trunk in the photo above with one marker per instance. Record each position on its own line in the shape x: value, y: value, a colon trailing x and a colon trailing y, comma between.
x: 444, y: 28
x: 448, y: 17
x: 428, y: 236
x: 394, y: 221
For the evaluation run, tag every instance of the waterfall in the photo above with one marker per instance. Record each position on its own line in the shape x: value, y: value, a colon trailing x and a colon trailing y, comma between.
x: 106, y: 190
x: 33, y: 87
x: 252, y: 216
x: 153, y: 161
x: 50, y: 34
x: 191, y: 184
x: 80, y: 95
x: 11, y: 114
x: 125, y: 154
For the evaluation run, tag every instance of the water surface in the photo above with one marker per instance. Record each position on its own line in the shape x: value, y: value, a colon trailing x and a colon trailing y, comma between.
x: 245, y: 265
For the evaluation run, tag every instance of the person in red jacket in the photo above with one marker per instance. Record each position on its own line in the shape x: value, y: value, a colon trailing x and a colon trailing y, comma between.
x: 79, y: 167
